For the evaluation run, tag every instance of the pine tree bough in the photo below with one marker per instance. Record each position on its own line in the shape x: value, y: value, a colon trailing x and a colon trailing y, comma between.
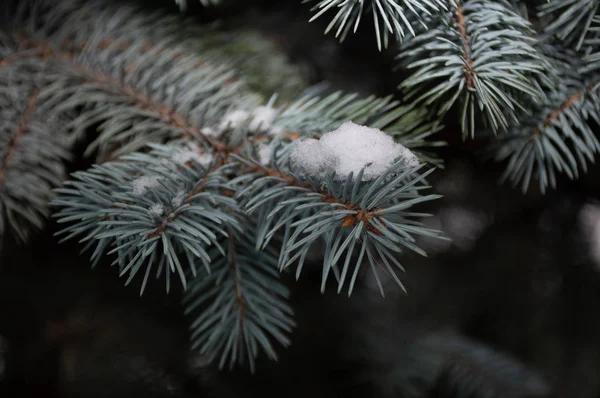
x: 184, y: 190
x: 481, y: 60
x: 31, y: 156
x: 391, y: 17
x: 573, y: 19
x: 563, y: 141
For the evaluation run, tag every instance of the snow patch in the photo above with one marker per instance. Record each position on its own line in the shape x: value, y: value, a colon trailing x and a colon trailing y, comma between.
x: 192, y: 153
x: 262, y: 118
x: 142, y: 184
x: 264, y: 154
x: 234, y: 119
x: 178, y: 199
x: 156, y: 209
x: 259, y: 120
x: 349, y: 149
x: 211, y: 132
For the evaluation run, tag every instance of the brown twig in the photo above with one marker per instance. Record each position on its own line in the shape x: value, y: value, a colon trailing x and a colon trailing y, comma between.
x: 362, y: 215
x: 21, y: 128
x: 462, y: 28
x: 566, y: 105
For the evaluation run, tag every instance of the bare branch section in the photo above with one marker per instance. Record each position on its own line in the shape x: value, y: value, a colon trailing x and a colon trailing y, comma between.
x: 21, y: 131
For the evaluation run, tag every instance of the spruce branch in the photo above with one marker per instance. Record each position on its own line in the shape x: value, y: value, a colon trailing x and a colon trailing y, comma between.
x: 147, y: 77
x: 481, y: 60
x: 370, y: 220
x: 242, y: 305
x: 32, y: 156
x: 559, y: 136
x: 195, y: 149
x: 391, y: 17
x: 591, y: 58
x: 452, y: 365
x: 573, y: 19
x: 149, y: 209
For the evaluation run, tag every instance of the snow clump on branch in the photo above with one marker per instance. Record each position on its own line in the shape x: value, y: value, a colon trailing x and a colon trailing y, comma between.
x: 141, y: 184
x: 349, y: 149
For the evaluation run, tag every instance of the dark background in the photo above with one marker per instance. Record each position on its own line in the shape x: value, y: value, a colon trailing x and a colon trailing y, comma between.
x: 520, y: 277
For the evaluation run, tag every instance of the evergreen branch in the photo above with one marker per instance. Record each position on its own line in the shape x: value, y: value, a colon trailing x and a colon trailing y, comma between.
x: 96, y: 89
x: 452, y: 365
x: 573, y: 20
x: 21, y: 127
x: 481, y: 59
x: 352, y: 217
x: 27, y: 141
x: 246, y: 51
x: 591, y: 59
x: 559, y: 139
x: 147, y: 81
x: 391, y: 17
x: 241, y: 305
x: 149, y: 209
x: 178, y: 210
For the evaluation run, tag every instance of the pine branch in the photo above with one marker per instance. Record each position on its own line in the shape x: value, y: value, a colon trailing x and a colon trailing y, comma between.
x: 149, y: 78
x: 31, y: 157
x: 573, y: 19
x: 446, y: 364
x: 14, y: 140
x: 470, y: 369
x: 480, y: 60
x: 201, y: 165
x: 591, y: 59
x: 351, y: 217
x: 96, y: 88
x: 149, y: 209
x: 246, y: 284
x: 559, y: 137
x: 391, y: 17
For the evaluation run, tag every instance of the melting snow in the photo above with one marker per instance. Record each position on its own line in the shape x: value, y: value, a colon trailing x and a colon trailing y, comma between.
x: 192, y: 153
x: 211, y: 132
x: 157, y: 209
x: 178, y: 199
x: 264, y: 154
x: 347, y: 150
x: 261, y: 118
x: 141, y: 184
x: 234, y: 119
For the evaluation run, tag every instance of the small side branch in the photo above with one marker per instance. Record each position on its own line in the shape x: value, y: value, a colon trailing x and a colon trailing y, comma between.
x: 163, y: 112
x: 21, y: 128
x: 362, y: 215
x: 462, y: 29
x: 565, y: 106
